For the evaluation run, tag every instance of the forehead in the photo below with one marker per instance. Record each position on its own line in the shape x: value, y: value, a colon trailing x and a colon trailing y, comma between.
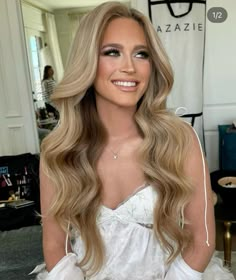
x: 124, y: 29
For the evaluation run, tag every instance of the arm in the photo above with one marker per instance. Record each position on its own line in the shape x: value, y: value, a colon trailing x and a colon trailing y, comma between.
x: 61, y: 266
x: 54, y: 238
x: 45, y: 85
x: 197, y: 255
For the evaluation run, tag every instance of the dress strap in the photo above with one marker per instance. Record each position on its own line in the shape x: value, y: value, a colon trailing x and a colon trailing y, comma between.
x: 67, y: 238
x: 205, y: 189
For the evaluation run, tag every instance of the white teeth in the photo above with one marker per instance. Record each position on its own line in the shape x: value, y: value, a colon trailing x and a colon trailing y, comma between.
x: 125, y: 84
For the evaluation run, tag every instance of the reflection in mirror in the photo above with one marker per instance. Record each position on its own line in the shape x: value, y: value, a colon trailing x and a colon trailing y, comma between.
x: 49, y: 31
x: 34, y: 44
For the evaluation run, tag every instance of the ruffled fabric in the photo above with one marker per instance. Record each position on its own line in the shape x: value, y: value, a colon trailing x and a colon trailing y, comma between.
x: 65, y: 269
x: 132, y: 250
x: 215, y: 270
x: 180, y: 270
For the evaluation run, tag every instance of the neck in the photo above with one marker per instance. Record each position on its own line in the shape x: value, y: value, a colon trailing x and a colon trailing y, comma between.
x: 119, y: 122
x: 122, y: 130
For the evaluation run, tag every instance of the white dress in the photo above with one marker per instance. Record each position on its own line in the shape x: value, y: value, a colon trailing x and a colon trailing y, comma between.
x: 132, y: 251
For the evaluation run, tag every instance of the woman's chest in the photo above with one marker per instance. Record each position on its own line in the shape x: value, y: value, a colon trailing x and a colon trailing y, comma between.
x: 135, y: 209
x: 120, y: 179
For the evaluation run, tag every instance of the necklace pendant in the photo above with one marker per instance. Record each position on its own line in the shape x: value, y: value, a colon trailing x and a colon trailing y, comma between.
x: 115, y: 156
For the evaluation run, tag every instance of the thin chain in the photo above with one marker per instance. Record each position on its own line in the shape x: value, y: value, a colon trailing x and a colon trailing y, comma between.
x: 116, y: 154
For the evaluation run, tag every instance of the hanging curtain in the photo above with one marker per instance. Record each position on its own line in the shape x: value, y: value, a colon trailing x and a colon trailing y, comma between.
x: 75, y: 19
x: 74, y: 22
x: 181, y: 28
x: 54, y: 45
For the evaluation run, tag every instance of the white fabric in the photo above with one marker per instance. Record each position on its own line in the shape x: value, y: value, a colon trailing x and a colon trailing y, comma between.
x: 132, y: 251
x: 66, y: 269
x: 183, y: 39
x: 180, y: 270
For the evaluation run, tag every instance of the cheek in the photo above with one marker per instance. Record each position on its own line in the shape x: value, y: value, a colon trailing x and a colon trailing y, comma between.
x: 146, y: 72
x: 105, y: 69
x: 103, y: 73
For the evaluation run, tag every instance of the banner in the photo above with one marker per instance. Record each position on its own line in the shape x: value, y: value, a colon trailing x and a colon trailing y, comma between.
x: 181, y: 28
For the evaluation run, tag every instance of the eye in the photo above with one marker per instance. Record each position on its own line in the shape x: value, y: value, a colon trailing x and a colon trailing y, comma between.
x: 142, y: 54
x: 111, y: 52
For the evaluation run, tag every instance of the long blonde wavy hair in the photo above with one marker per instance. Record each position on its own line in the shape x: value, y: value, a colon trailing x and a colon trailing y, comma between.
x: 70, y: 153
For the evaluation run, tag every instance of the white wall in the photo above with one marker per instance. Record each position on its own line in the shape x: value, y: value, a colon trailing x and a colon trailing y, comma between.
x: 33, y: 17
x: 220, y: 77
x: 17, y: 118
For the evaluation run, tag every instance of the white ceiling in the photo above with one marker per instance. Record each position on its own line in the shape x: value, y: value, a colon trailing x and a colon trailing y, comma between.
x: 62, y: 4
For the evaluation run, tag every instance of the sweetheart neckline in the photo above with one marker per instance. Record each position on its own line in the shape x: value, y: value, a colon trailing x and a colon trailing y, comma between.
x: 133, y: 194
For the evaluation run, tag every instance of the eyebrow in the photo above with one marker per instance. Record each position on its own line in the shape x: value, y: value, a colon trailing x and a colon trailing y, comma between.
x: 118, y: 46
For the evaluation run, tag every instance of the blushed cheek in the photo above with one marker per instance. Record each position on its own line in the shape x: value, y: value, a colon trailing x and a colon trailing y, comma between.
x: 102, y: 77
x: 104, y: 70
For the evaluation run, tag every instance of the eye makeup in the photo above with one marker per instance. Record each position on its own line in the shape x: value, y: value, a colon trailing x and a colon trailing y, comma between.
x: 110, y: 52
x: 142, y: 54
x: 115, y: 50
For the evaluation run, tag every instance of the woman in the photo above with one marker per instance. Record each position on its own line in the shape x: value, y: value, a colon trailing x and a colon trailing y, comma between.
x: 114, y: 135
x: 48, y: 84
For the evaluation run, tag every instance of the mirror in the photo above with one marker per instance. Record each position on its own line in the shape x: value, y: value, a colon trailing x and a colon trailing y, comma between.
x: 49, y: 30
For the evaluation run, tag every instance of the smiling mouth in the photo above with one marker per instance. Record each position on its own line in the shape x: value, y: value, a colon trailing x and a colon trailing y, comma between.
x: 125, y: 83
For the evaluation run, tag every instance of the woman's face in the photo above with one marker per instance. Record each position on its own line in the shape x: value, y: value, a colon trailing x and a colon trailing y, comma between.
x: 50, y: 72
x: 124, y: 67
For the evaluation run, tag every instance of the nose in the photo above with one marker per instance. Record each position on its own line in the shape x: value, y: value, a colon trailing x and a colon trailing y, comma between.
x: 127, y: 65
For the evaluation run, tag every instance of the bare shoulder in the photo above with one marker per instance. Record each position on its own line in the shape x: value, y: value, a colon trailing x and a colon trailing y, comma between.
x: 195, y: 150
x: 193, y: 138
x: 196, y: 167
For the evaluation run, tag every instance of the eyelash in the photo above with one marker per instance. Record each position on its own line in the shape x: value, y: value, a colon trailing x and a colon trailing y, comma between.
x: 115, y: 52
x: 142, y: 54
x: 111, y: 52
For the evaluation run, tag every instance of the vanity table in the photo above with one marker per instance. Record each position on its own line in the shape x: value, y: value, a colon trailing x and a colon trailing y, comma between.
x: 48, y: 123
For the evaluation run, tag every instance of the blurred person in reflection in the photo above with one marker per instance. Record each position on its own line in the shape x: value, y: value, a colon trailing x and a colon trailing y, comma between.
x: 125, y: 189
x: 48, y: 85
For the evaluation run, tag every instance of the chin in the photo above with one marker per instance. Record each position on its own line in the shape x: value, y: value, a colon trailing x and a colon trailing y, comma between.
x: 129, y: 103
x: 128, y: 106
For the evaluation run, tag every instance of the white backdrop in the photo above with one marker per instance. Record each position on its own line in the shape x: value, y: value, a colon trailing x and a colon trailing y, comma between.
x: 183, y: 37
